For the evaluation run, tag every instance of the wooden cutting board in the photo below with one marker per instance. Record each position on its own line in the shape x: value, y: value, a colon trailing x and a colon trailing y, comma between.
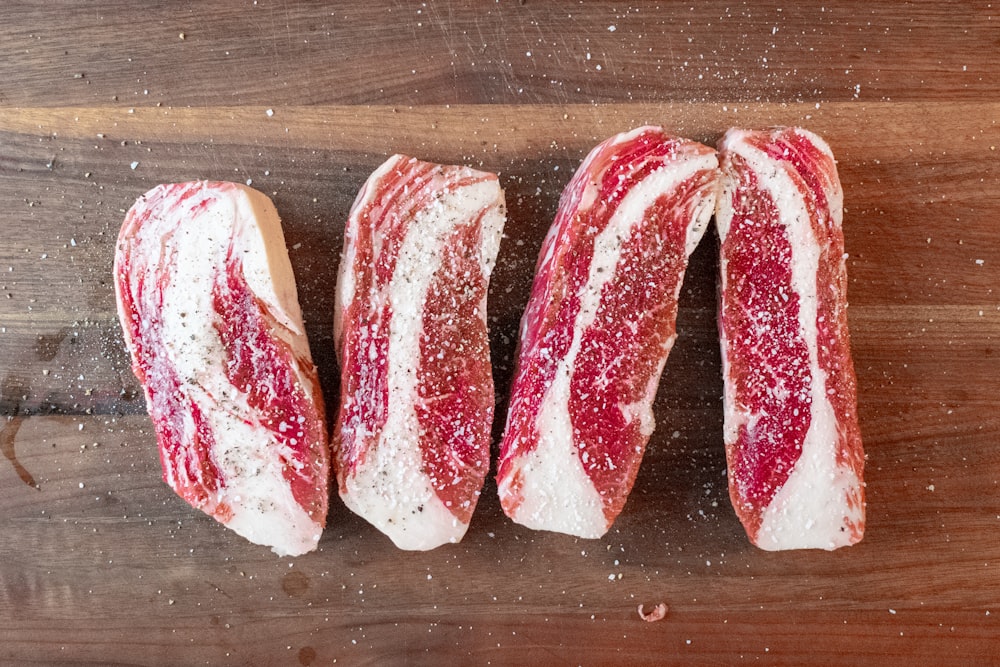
x: 101, y: 564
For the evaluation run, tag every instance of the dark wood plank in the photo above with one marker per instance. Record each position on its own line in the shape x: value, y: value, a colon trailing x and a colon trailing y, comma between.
x: 509, y: 52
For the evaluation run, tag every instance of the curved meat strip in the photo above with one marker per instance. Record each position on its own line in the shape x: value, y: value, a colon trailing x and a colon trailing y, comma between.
x: 210, y: 315
x: 598, y: 327
x: 412, y: 439
x: 792, y: 439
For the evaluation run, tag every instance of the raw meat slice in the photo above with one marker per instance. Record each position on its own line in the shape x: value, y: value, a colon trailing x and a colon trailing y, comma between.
x: 208, y: 306
x: 598, y: 327
x: 791, y: 429
x: 412, y: 440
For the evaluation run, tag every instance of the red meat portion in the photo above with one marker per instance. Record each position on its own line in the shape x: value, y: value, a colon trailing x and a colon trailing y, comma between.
x: 623, y: 350
x: 769, y: 361
x: 455, y: 409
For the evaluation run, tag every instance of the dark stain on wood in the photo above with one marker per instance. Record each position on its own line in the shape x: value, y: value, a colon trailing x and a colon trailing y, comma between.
x: 47, y: 345
x: 10, y: 401
x: 295, y: 584
x: 306, y: 655
x: 7, y: 435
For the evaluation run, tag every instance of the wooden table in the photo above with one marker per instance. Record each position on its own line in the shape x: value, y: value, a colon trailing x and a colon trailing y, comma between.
x: 100, y: 563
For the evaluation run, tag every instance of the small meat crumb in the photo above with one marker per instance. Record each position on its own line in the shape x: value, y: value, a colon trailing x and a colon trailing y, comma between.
x: 657, y: 613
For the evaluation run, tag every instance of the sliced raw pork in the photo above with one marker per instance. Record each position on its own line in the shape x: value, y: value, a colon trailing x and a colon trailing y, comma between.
x: 208, y: 306
x: 791, y: 429
x: 598, y: 327
x: 412, y: 440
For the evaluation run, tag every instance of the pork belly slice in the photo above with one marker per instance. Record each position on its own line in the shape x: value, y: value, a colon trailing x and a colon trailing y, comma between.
x: 412, y: 439
x: 598, y: 327
x: 791, y: 428
x: 210, y: 314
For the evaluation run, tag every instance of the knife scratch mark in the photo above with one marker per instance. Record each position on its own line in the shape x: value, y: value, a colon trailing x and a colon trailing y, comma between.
x: 219, y: 590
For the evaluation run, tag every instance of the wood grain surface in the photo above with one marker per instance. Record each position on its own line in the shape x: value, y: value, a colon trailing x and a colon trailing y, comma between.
x: 101, y: 564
